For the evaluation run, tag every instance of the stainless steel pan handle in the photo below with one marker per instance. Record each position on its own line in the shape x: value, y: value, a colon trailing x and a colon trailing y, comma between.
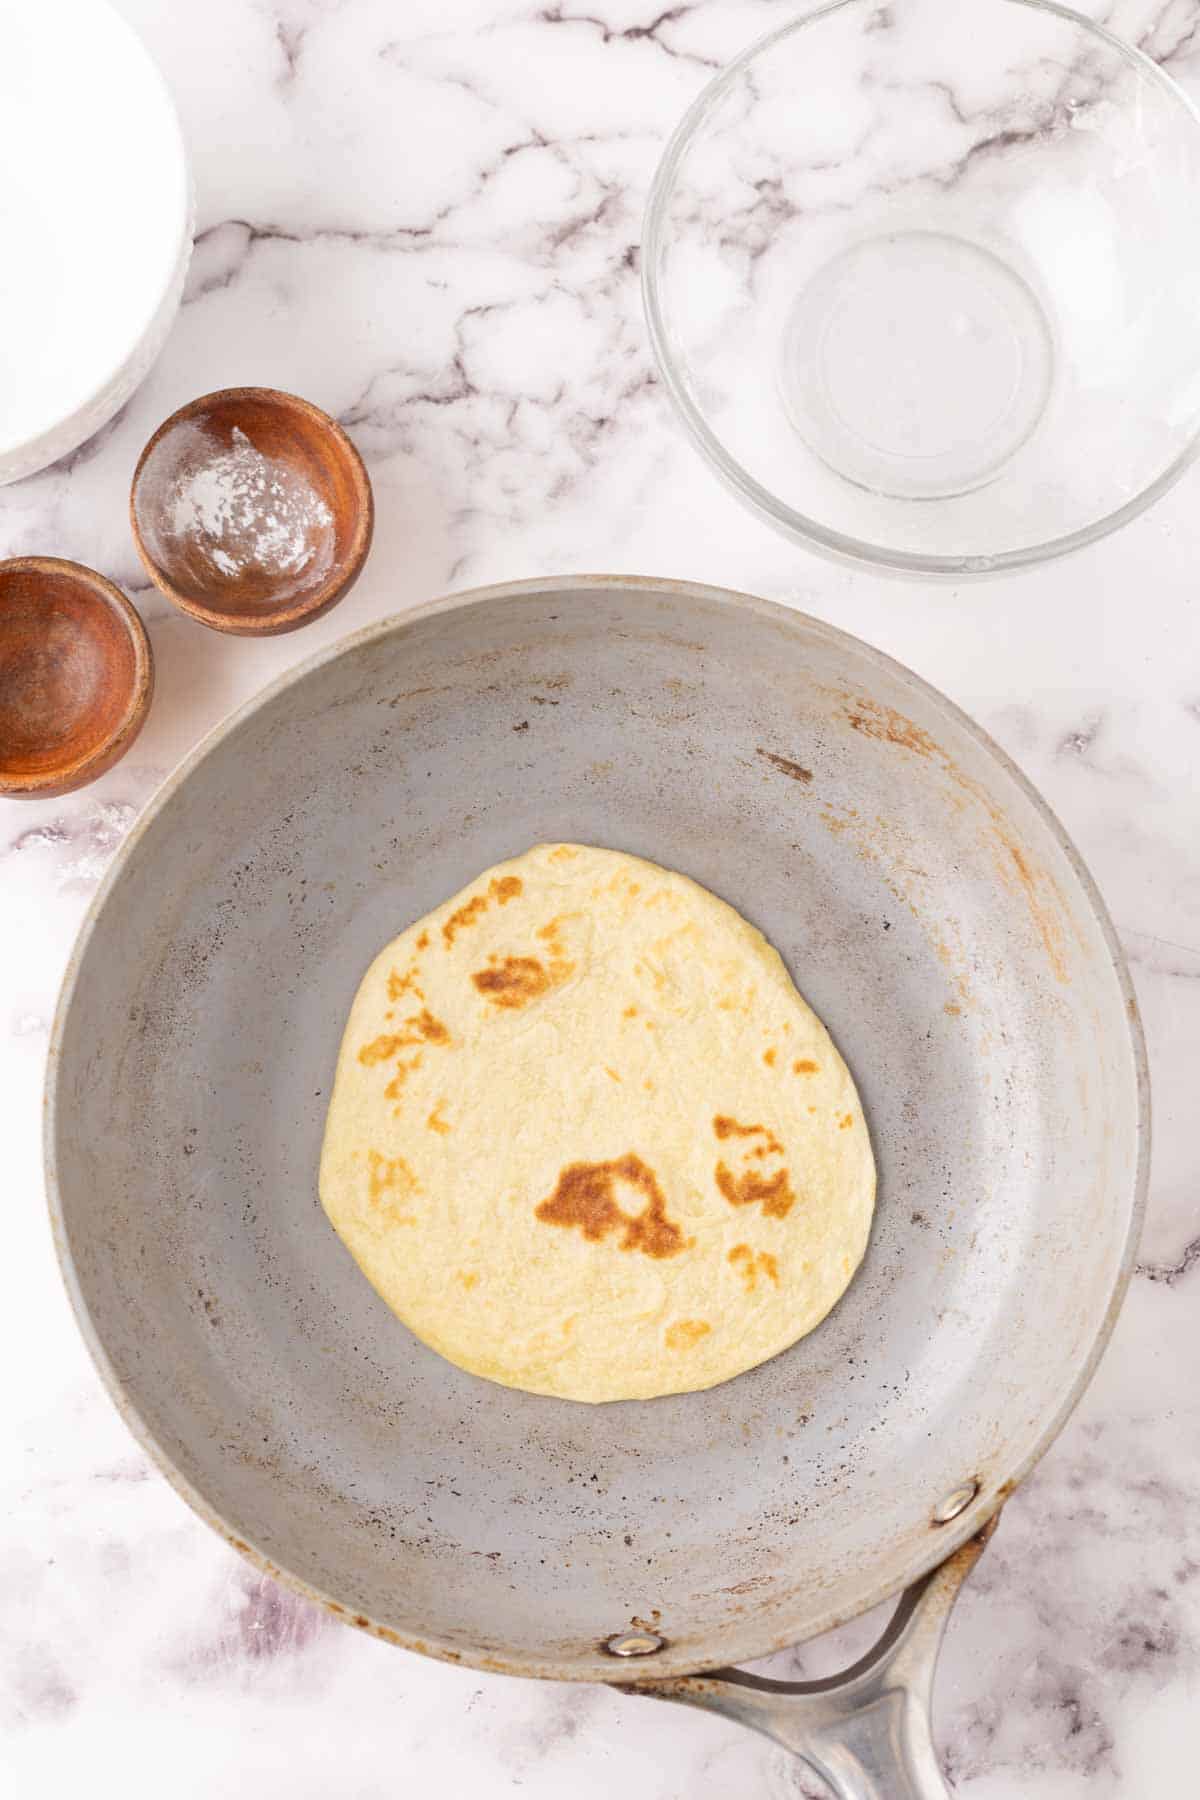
x: 865, y: 1731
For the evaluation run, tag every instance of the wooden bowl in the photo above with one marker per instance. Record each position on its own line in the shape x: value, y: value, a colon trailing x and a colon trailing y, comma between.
x: 252, y: 511
x: 76, y: 676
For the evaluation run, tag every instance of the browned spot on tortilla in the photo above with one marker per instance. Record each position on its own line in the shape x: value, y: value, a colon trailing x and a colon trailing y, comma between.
x: 686, y: 1332
x: 630, y: 1012
x: 398, y: 984
x: 388, y: 1175
x: 786, y: 766
x: 726, y: 1127
x: 501, y: 889
x: 466, y: 915
x: 419, y: 1028
x: 845, y: 1122
x: 805, y: 1066
x: 953, y: 1008
x: 750, y: 1187
x: 769, y: 1058
x: 403, y: 1071
x: 428, y: 1029
x: 612, y: 1073
x: 468, y: 1278
x: 585, y: 1196
x: 549, y: 931
x: 750, y: 1265
x: 423, y: 941
x: 435, y: 1121
x: 563, y: 853
x: 389, y: 1179
x: 742, y: 1254
x: 513, y: 980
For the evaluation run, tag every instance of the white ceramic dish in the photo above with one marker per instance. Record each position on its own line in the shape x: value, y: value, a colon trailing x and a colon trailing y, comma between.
x: 95, y: 221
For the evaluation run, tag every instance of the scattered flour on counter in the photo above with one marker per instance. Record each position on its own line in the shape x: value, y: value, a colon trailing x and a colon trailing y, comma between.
x: 246, y: 511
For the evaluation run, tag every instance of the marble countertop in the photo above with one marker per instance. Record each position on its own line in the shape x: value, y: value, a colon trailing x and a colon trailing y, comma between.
x: 424, y: 216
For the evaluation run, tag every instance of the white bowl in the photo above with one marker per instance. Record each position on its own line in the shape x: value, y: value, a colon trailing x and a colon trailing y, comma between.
x: 95, y: 207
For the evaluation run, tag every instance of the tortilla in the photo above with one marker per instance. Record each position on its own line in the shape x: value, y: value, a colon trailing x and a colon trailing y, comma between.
x: 586, y: 1138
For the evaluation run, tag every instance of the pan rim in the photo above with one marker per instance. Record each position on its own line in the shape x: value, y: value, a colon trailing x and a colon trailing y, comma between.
x: 743, y: 1644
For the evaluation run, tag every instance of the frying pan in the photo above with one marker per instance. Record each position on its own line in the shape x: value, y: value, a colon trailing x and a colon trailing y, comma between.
x: 931, y: 910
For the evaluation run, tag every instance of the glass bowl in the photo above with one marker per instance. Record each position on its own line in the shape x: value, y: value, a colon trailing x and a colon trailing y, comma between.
x: 924, y: 280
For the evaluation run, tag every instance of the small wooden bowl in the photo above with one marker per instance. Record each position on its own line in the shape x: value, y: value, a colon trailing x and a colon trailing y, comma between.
x: 76, y: 676
x: 252, y: 511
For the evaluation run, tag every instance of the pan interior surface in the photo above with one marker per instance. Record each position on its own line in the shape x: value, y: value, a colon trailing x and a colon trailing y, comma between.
x: 927, y: 908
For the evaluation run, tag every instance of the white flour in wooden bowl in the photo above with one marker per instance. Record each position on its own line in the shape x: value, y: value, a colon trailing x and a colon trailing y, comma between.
x: 207, y: 507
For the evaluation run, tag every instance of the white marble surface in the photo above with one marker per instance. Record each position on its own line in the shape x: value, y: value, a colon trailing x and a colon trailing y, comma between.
x: 424, y: 215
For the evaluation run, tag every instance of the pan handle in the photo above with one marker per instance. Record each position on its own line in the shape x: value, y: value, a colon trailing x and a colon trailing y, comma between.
x: 865, y: 1731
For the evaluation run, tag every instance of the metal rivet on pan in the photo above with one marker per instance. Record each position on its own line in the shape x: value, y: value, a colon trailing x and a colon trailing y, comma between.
x: 956, y: 1501
x: 633, y: 1643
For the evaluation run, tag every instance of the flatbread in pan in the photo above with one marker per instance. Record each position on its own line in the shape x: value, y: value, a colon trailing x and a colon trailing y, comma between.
x: 587, y: 1139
